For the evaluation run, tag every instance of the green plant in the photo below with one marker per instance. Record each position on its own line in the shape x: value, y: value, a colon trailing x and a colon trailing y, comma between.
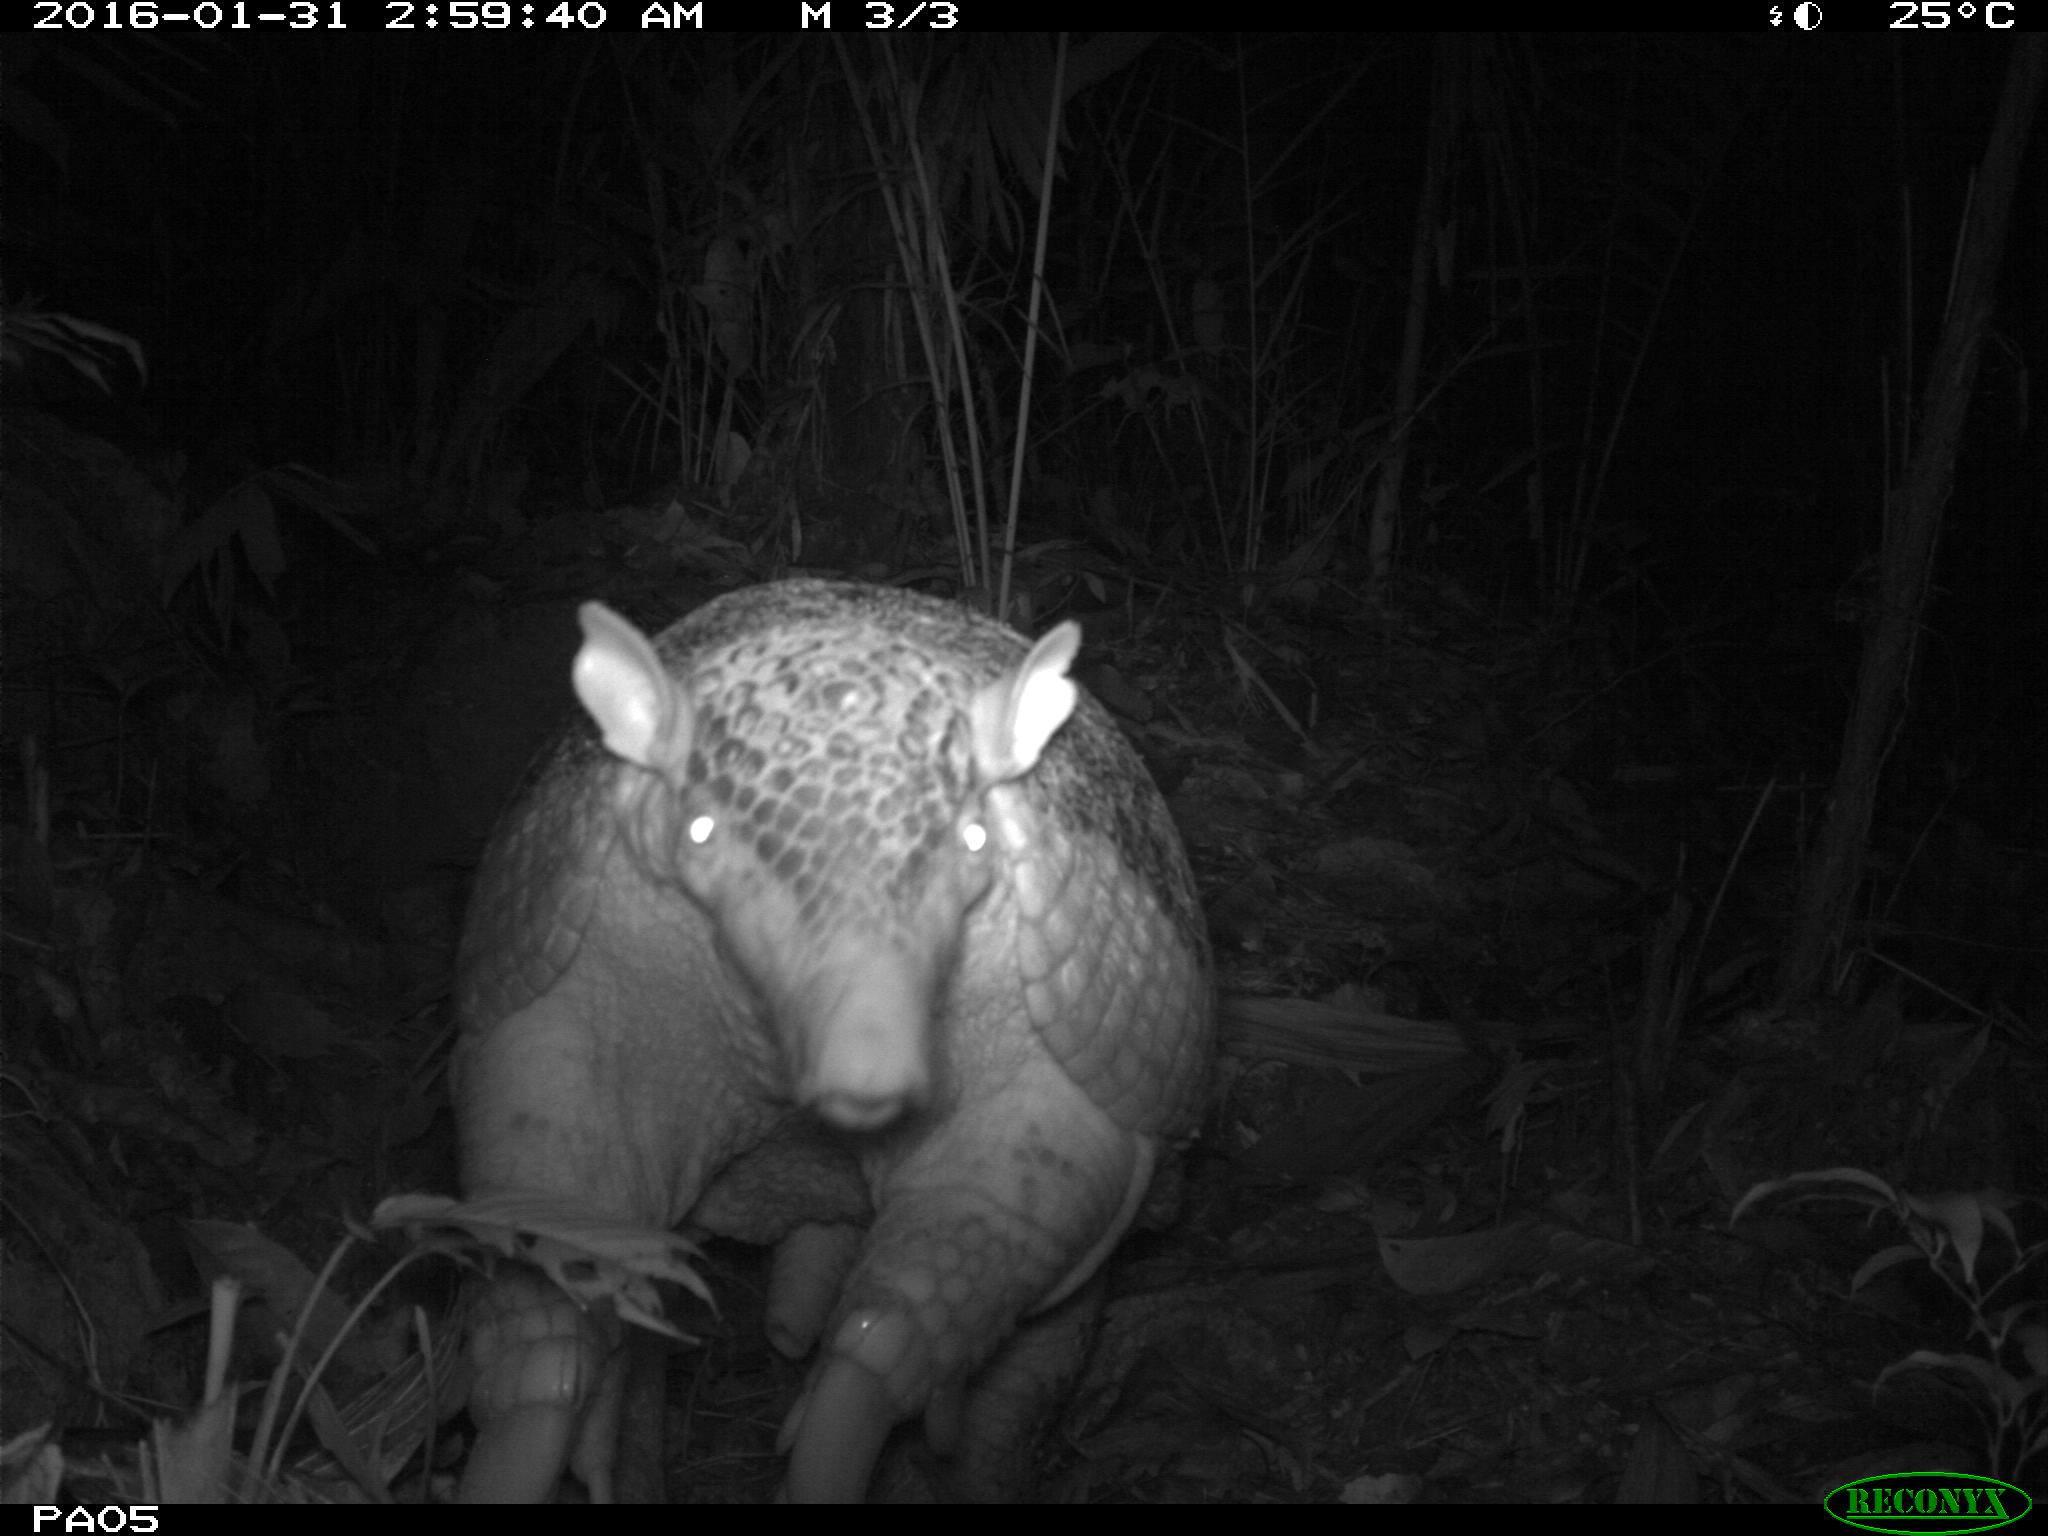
x: 1957, y: 1237
x: 28, y: 330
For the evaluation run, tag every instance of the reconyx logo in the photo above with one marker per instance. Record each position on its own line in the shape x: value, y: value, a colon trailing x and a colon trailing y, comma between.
x: 1919, y: 1502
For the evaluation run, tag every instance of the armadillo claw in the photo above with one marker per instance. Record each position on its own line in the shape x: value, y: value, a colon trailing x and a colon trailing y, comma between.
x: 518, y: 1457
x: 892, y: 1350
x: 810, y: 1266
x: 543, y: 1372
x: 838, y: 1430
x: 531, y: 1346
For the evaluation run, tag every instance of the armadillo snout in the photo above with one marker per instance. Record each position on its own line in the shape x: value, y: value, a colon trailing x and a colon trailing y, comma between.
x: 867, y: 1056
x: 855, y: 1111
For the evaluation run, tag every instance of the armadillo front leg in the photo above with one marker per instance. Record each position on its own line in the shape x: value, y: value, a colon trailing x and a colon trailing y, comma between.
x: 550, y: 1106
x: 549, y: 1377
x: 997, y: 1214
x: 1019, y: 1391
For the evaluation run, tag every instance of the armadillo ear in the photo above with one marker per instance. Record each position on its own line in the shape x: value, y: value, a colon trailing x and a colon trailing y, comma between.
x: 1016, y: 715
x: 642, y: 714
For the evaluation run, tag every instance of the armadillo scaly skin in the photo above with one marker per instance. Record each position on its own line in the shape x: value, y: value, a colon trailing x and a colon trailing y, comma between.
x: 851, y: 915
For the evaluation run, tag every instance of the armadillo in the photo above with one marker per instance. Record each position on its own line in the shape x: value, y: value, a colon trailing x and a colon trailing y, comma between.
x: 846, y: 911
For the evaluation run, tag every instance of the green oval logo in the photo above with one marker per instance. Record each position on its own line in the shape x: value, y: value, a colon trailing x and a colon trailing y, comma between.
x: 1917, y: 1502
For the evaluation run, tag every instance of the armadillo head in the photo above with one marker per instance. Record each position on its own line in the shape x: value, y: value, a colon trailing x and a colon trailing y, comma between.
x: 818, y: 789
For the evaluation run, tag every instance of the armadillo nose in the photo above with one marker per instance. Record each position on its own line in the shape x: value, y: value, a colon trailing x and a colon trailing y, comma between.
x: 866, y: 1077
x: 861, y: 1112
x: 865, y: 1053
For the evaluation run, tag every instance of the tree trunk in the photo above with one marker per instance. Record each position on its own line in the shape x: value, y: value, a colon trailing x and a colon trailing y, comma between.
x: 1911, y: 522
